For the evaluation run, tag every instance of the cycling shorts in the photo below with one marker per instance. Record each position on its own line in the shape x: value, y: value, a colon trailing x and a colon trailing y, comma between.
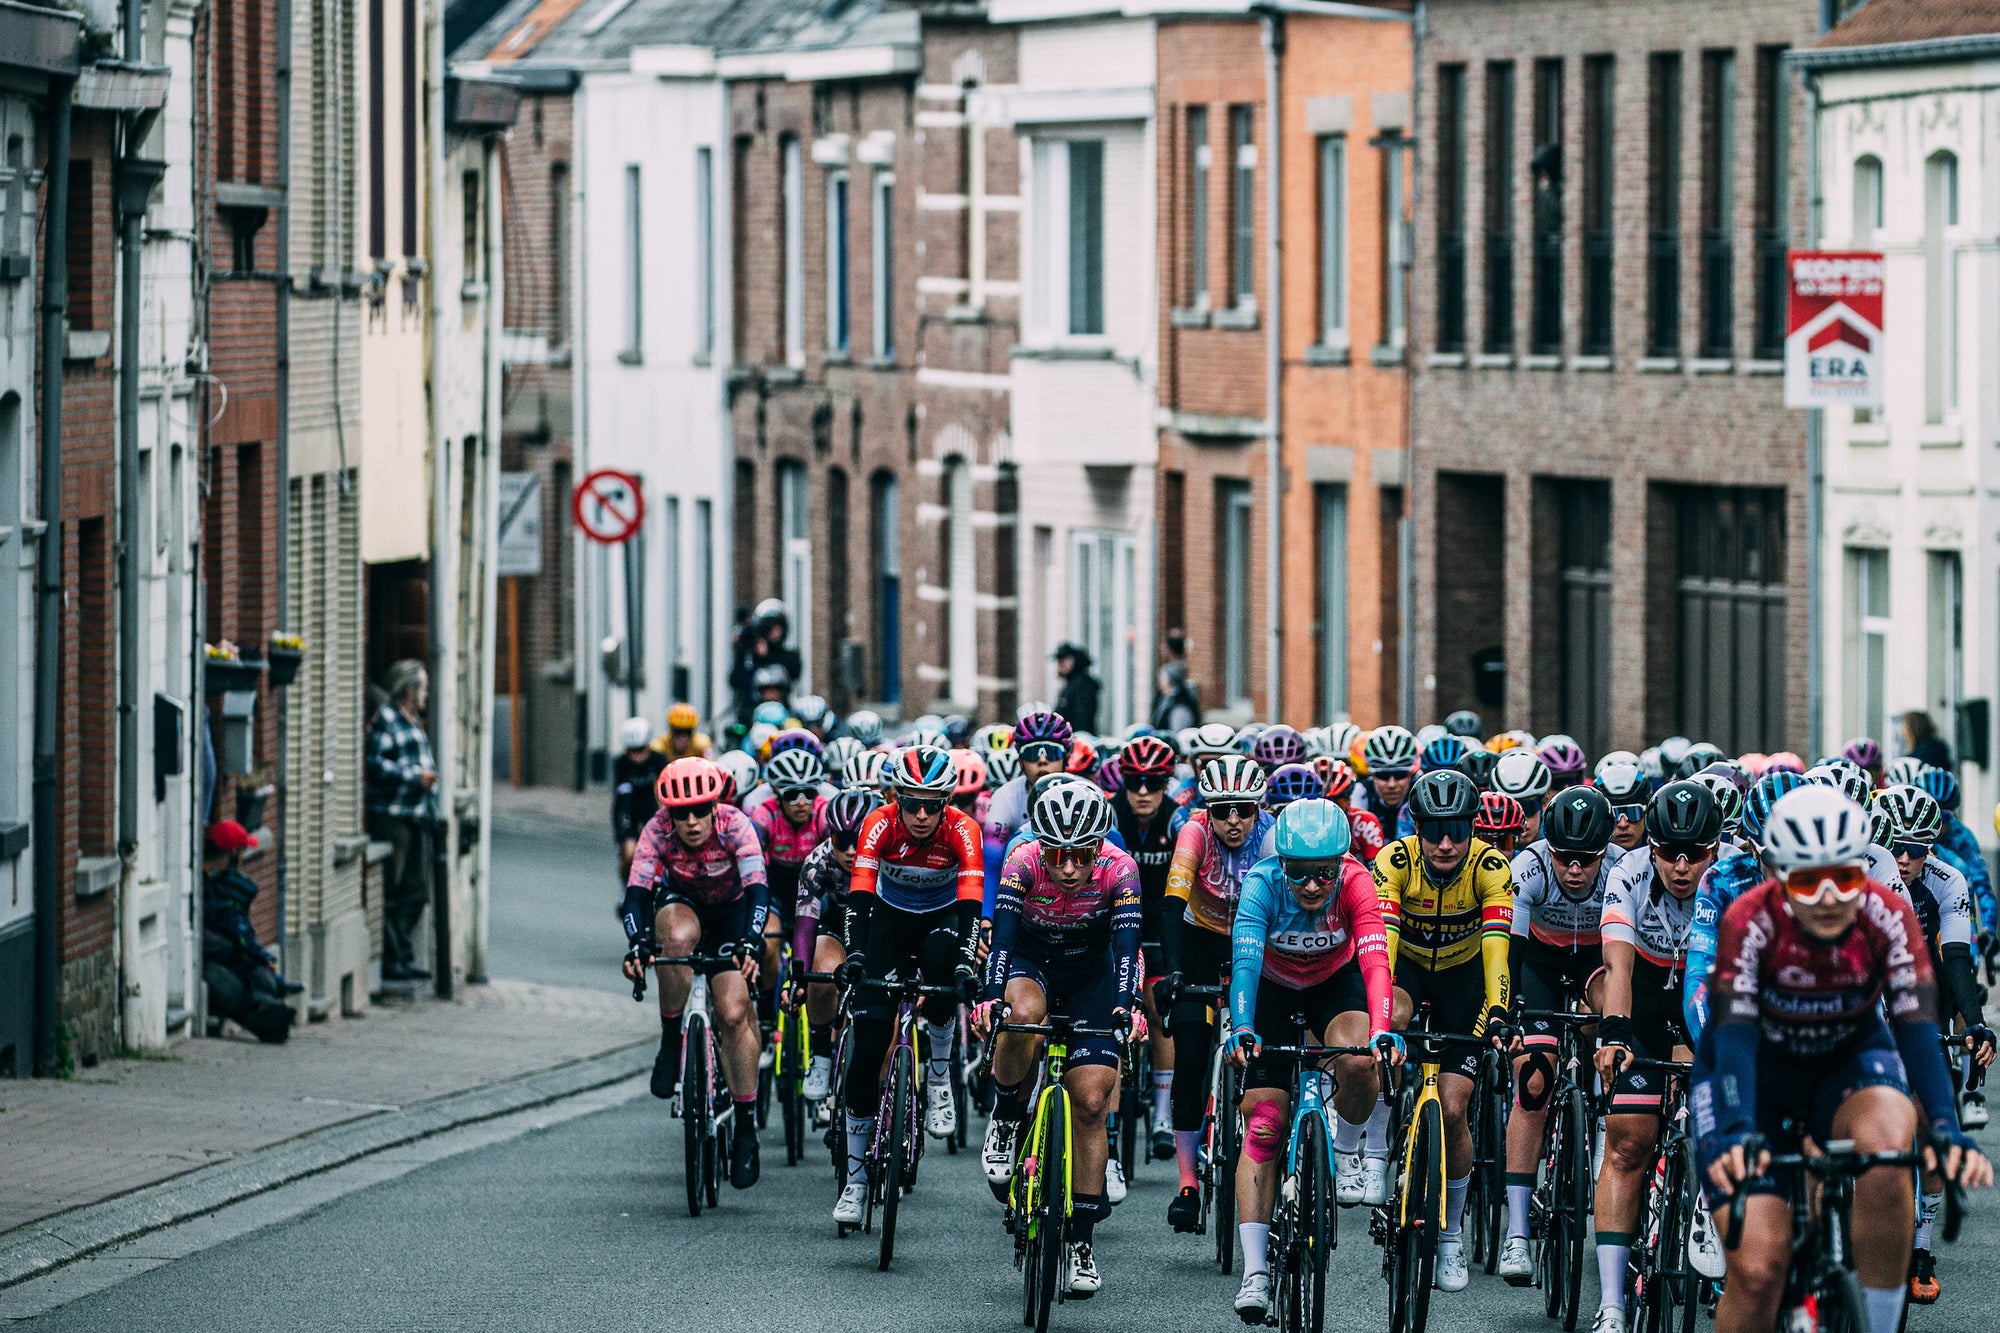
x: 901, y: 942
x: 1457, y: 998
x: 1204, y: 962
x: 1342, y: 993
x: 833, y: 921
x: 1657, y: 1027
x: 1086, y: 992
x: 721, y: 923
x: 1548, y: 976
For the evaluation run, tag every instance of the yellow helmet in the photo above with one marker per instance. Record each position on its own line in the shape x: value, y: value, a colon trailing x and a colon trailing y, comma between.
x: 1355, y: 759
x: 682, y: 717
x: 1505, y: 741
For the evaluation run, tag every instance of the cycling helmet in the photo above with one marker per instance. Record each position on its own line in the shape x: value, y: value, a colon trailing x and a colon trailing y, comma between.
x: 1764, y: 794
x: 930, y: 736
x: 924, y: 770
x: 635, y: 734
x: 1340, y: 738
x: 1735, y: 771
x: 690, y: 781
x: 845, y: 812
x: 1337, y: 776
x: 1683, y: 811
x: 1186, y: 739
x: 1941, y: 785
x: 682, y: 717
x: 1914, y: 814
x: 1318, y: 742
x: 1427, y: 733
x: 1389, y: 752
x: 1651, y: 764
x: 990, y: 738
x: 741, y: 771
x: 1043, y: 726
x: 1863, y: 751
x: 1522, y: 775
x: 1002, y: 767
x: 1699, y: 756
x: 871, y: 770
x: 1499, y: 816
x: 1245, y: 741
x: 1784, y: 761
x: 1903, y: 772
x: 796, y: 738
x: 865, y: 725
x: 1277, y: 746
x: 1846, y: 777
x: 1815, y: 826
x: 1108, y: 777
x: 1611, y: 757
x: 1138, y: 729
x: 1465, y: 723
x: 1624, y: 784
x: 1071, y: 814
x: 795, y: 770
x: 1231, y: 777
x: 1083, y: 758
x: 1881, y: 824
x: 1444, y: 752
x: 842, y: 751
x: 1147, y: 757
x: 770, y: 713
x: 957, y: 728
x: 811, y: 710
x: 1563, y: 758
x: 1210, y: 739
x: 1444, y: 794
x: 928, y: 722
x: 1478, y: 765
x: 971, y: 772
x: 1514, y: 739
x: 757, y: 742
x: 1292, y: 782
x: 770, y: 611
x: 1728, y: 800
x: 1578, y: 820
x: 1672, y: 749
x: 1311, y: 829
x: 1753, y: 762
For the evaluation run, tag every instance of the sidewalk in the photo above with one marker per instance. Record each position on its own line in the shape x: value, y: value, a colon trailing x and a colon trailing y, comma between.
x: 127, y: 1124
x: 533, y: 809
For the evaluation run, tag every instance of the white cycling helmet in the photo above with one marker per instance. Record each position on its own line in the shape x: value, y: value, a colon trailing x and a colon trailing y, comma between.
x: 1428, y: 733
x: 1390, y: 750
x: 795, y: 770
x: 1231, y: 777
x: 1002, y: 767
x: 1903, y: 772
x: 870, y: 770
x: 1614, y: 757
x: 1844, y: 776
x: 1340, y: 738
x: 1071, y: 814
x: 840, y: 752
x: 865, y: 725
x: 1815, y: 826
x: 1213, y: 738
x: 635, y: 734
x: 741, y: 769
x: 1522, y: 775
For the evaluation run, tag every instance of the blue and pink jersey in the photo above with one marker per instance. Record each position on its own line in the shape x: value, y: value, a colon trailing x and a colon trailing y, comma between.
x: 1273, y: 937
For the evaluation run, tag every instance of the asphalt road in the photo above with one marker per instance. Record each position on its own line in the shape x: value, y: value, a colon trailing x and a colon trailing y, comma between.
x: 584, y: 1225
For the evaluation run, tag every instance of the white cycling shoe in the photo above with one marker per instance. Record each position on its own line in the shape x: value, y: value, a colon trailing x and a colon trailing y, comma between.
x: 1452, y: 1274
x: 997, y: 1156
x: 1084, y: 1279
x: 1350, y: 1178
x: 1973, y: 1115
x: 1704, y: 1255
x: 853, y: 1203
x: 817, y: 1085
x: 1253, y: 1298
x: 1375, y: 1192
x: 1114, y: 1181
x: 1517, y: 1262
x: 942, y: 1118
x: 1608, y: 1321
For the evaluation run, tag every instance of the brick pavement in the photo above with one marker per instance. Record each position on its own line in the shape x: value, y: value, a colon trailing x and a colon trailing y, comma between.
x: 129, y: 1123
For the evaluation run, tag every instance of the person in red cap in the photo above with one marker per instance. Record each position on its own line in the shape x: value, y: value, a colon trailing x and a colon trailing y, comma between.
x: 242, y: 977
x: 229, y: 840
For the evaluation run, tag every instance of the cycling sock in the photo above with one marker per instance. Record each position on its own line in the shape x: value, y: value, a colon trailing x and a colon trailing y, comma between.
x: 670, y: 1030
x: 1885, y: 1305
x: 1454, y: 1204
x: 1084, y: 1211
x: 1111, y: 1128
x: 859, y: 1131
x: 746, y: 1114
x: 1614, y: 1251
x: 1256, y: 1241
x: 822, y: 1040
x: 1378, y: 1129
x: 1347, y: 1136
x: 1187, y: 1151
x: 1163, y: 1095
x: 1520, y: 1190
x: 1011, y: 1103
x: 938, y: 1068
x: 1927, y: 1210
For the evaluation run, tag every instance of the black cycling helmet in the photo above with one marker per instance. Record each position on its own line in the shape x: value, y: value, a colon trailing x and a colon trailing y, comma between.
x: 1443, y: 794
x: 1578, y: 819
x: 1465, y: 722
x: 1683, y: 811
x: 1478, y: 765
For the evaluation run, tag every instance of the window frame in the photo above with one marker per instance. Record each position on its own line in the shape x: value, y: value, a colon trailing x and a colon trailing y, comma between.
x: 1451, y: 208
x: 1498, y: 209
x: 704, y: 245
x: 839, y: 265
x: 1243, y: 206
x: 1199, y: 154
x: 882, y: 264
x: 1331, y: 169
x: 1056, y: 285
x: 635, y: 289
x: 1598, y: 213
x: 792, y: 243
x: 1719, y: 95
x: 1547, y: 217
x: 1666, y: 131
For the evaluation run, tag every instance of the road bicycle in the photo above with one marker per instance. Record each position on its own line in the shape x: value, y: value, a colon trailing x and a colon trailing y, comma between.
x: 1486, y: 1193
x: 1042, y: 1193
x: 791, y: 1056
x: 702, y: 1103
x: 1559, y: 1212
x: 1221, y: 1131
x: 898, y: 1143
x: 1667, y: 1291
x: 1129, y: 1143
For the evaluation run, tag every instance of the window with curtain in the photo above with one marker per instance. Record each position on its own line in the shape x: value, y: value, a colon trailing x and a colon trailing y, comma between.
x: 1395, y: 241
x: 1940, y: 286
x: 634, y: 241
x: 1068, y: 231
x: 1233, y: 607
x: 882, y: 314
x: 1330, y: 631
x: 1333, y: 240
x: 792, y: 228
x: 704, y: 252
x: 1866, y: 218
x: 1198, y: 154
x: 1866, y: 641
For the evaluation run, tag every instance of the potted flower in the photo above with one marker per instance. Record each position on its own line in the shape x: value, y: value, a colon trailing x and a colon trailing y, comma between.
x: 287, y: 653
x: 226, y: 670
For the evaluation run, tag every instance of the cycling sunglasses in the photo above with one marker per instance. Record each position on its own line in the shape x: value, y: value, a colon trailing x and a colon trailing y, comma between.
x: 1905, y: 848
x: 1147, y: 782
x: 921, y: 805
x: 690, y: 813
x: 1574, y: 859
x: 1690, y: 852
x: 1628, y: 814
x: 1233, y: 810
x: 1068, y: 856
x: 1842, y: 884
x: 846, y: 842
x: 1042, y: 752
x: 1437, y: 830
x: 796, y: 793
x: 1310, y: 872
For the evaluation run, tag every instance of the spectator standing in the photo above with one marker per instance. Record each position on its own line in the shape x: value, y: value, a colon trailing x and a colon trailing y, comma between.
x: 1175, y: 704
x: 403, y: 812
x: 1921, y: 739
x: 1077, y: 704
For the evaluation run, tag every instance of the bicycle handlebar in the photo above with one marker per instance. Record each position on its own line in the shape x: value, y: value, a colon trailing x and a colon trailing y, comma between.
x: 1954, y: 1044
x: 1560, y: 1017
x: 1204, y: 992
x: 726, y: 955
x: 1838, y: 1159
x: 1601, y: 1104
x: 1060, y: 1026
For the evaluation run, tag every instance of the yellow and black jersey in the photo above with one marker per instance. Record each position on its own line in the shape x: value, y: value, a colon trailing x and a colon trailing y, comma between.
x: 1463, y: 922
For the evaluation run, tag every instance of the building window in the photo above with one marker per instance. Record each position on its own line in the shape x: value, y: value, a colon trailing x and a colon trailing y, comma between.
x: 962, y: 583
x: 1233, y: 607
x: 1718, y: 202
x: 1866, y: 641
x: 1330, y: 629
x: 1546, y: 180
x: 1450, y: 208
x: 1500, y: 206
x: 795, y: 562
x: 1773, y: 291
x: 1395, y: 243
x: 1583, y: 612
x: 1731, y: 616
x: 704, y: 599
x: 888, y: 545
x: 1198, y: 155
x: 792, y: 228
x: 836, y: 262
x: 1333, y: 241
x: 1243, y: 205
x: 882, y: 234
x: 634, y: 238
x: 673, y: 654
x: 378, y: 132
x: 1069, y: 236
x: 559, y: 285
x: 1663, y: 207
x: 1101, y: 591
x: 470, y: 198
x: 1946, y: 660
x: 1866, y: 219
x: 1940, y: 286
x: 1600, y: 157
x: 704, y: 252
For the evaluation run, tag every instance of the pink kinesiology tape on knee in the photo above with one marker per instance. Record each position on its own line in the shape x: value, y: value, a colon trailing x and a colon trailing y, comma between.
x: 1263, y: 1131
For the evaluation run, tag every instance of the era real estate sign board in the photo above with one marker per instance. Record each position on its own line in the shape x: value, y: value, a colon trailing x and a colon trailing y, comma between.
x: 1833, y: 339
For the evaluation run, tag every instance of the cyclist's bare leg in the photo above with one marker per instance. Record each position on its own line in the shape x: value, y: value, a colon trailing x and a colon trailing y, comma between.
x: 776, y: 932
x: 1354, y: 1098
x: 678, y: 932
x: 1014, y: 1052
x: 1093, y: 1091
x: 1257, y: 1171
x: 1755, y: 1280
x: 1455, y: 1091
x: 1628, y: 1150
x: 1880, y: 1120
x: 822, y: 1003
x: 1156, y: 1029
x: 736, y: 1026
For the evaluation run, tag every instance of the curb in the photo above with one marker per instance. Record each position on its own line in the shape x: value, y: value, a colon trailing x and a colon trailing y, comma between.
x: 43, y: 1246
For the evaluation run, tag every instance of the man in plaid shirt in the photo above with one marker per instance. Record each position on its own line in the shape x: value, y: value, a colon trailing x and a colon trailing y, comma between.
x: 402, y: 811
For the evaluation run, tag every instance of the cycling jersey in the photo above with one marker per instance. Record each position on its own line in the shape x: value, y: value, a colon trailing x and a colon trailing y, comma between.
x: 1367, y: 836
x: 1274, y: 938
x: 1062, y: 929
x: 633, y: 795
x: 1207, y: 876
x: 698, y: 745
x: 1466, y: 921
x: 1640, y: 912
x: 786, y: 846
x: 727, y: 868
x: 1025, y: 834
x: 1544, y: 911
x: 764, y: 794
x: 1149, y: 842
x: 1008, y: 809
x: 820, y: 906
x: 1385, y: 814
x: 914, y: 876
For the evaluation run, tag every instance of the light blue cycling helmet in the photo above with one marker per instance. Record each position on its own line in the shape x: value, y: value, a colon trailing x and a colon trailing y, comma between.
x: 771, y: 713
x: 1313, y: 830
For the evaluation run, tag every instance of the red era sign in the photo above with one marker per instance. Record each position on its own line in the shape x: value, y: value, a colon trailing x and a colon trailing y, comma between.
x: 1833, y: 336
x: 608, y: 506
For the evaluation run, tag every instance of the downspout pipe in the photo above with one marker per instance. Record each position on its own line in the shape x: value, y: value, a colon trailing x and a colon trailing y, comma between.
x: 445, y: 573
x: 1815, y: 470
x: 284, y: 460
x: 1406, y: 527
x: 1274, y: 468
x: 49, y: 580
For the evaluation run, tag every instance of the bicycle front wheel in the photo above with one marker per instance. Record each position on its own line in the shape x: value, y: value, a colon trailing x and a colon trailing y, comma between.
x: 1315, y: 1219
x: 1489, y: 1178
x: 1051, y: 1224
x: 695, y: 1108
x: 1227, y: 1141
x: 895, y: 1138
x: 1416, y: 1237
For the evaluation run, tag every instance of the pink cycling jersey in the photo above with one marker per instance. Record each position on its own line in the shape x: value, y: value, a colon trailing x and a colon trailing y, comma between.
x: 725, y: 868
x: 787, y: 844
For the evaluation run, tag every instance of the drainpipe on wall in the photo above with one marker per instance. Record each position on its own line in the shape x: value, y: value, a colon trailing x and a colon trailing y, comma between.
x: 1406, y: 527
x: 1274, y: 668
x: 284, y: 463
x: 582, y: 652
x: 49, y: 583
x: 1815, y: 464
x: 489, y: 471
x: 444, y: 544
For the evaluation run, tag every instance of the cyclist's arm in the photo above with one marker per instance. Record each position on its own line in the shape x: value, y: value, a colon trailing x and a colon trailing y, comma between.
x: 1389, y: 881
x: 1127, y: 922
x: 1246, y: 948
x: 1371, y: 944
x: 750, y: 873
x: 861, y: 883
x: 1015, y: 879
x: 813, y: 887
x: 1496, y: 920
x: 1909, y: 997
x: 1188, y: 848
x: 993, y: 852
x: 1700, y: 955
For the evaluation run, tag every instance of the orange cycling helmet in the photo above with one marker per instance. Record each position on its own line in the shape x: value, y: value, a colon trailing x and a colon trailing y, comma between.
x: 971, y: 772
x: 691, y: 781
x: 1339, y: 778
x: 682, y: 717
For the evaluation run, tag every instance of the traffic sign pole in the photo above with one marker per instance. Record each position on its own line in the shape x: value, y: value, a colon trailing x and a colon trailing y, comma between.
x: 609, y: 507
